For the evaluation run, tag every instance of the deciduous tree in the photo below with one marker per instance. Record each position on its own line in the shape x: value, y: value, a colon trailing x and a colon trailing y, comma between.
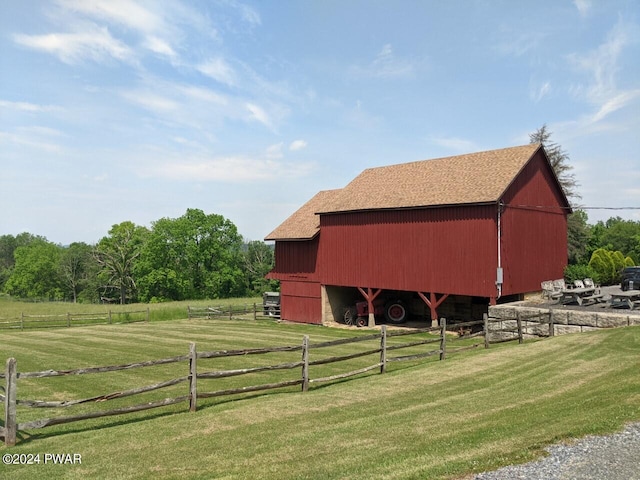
x: 36, y: 271
x: 117, y: 255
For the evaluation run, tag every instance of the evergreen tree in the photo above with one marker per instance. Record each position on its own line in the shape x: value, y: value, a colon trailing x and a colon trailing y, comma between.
x: 559, y: 159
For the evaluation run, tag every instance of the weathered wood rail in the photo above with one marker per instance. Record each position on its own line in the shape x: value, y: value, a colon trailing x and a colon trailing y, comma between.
x: 195, y: 379
x: 258, y: 310
x: 26, y: 321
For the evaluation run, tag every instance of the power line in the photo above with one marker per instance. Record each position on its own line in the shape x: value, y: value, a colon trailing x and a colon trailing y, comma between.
x: 577, y: 207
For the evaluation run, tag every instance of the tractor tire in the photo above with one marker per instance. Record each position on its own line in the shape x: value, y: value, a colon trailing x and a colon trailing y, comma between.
x: 395, y: 312
x: 350, y: 316
x: 362, y: 321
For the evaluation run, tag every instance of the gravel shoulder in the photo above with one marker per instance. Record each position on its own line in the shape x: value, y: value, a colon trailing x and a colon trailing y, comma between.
x: 610, y: 457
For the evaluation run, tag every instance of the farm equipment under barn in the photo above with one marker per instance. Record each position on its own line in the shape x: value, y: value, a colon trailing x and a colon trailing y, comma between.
x: 393, y: 311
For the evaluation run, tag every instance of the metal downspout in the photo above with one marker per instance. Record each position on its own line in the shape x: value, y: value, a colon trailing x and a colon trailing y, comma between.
x: 499, y: 272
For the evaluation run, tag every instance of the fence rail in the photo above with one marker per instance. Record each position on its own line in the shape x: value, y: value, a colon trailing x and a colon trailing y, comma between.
x: 193, y: 358
x: 258, y: 310
x: 26, y: 321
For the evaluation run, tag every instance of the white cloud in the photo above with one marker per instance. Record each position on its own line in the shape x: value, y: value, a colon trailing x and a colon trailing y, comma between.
x: 275, y: 151
x: 28, y: 107
x: 151, y: 101
x: 602, y: 66
x: 457, y: 145
x: 538, y: 93
x: 517, y: 43
x: 27, y: 140
x: 615, y: 103
x: 233, y: 169
x: 203, y: 94
x: 258, y: 114
x: 126, y: 12
x: 157, y: 45
x: 250, y: 15
x: 385, y: 65
x: 96, y: 44
x: 583, y: 6
x: 297, y: 145
x: 219, y: 70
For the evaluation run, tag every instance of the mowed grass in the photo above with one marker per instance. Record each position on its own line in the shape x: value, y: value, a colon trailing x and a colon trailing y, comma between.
x: 476, y: 411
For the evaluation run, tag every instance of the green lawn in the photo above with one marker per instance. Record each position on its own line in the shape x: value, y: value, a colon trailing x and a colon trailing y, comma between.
x: 477, y: 410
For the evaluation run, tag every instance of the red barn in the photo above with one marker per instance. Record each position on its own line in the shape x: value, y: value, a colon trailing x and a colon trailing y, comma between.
x: 446, y: 237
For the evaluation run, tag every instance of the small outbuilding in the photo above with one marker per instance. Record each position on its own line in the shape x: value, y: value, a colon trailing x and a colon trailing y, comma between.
x: 446, y: 237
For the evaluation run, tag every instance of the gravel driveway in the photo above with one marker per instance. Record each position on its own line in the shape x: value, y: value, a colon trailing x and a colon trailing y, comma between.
x: 610, y: 457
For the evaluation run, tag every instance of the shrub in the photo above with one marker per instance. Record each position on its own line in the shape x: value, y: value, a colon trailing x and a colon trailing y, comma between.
x: 580, y: 272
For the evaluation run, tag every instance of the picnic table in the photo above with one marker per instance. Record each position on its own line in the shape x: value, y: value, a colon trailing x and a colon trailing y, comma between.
x: 630, y: 298
x: 580, y: 295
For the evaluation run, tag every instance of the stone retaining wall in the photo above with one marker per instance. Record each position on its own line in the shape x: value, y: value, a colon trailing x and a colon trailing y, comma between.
x: 535, y: 321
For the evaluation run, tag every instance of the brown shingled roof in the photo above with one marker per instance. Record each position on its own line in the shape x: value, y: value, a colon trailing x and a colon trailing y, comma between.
x: 304, y: 224
x: 472, y: 178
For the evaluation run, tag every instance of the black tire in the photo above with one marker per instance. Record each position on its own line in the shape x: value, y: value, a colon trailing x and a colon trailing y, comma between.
x: 395, y: 312
x: 362, y: 321
x: 272, y: 312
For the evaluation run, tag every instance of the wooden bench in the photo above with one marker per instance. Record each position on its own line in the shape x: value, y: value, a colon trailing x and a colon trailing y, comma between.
x: 597, y: 297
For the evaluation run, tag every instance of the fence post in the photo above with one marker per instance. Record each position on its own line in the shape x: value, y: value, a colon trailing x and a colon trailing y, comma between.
x: 255, y: 311
x: 147, y: 314
x: 305, y: 364
x: 68, y: 319
x: 230, y: 309
x: 383, y: 349
x: 109, y: 316
x: 193, y: 377
x: 551, y: 327
x: 10, y: 423
x: 519, y: 320
x: 22, y: 321
x: 443, y: 338
x: 189, y: 312
x: 485, y: 318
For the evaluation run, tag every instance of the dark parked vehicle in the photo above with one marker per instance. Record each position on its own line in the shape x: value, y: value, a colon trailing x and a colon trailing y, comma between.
x: 630, y: 278
x: 271, y: 304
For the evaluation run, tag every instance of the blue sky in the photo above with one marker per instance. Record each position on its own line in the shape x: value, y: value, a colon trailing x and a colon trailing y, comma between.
x: 114, y: 110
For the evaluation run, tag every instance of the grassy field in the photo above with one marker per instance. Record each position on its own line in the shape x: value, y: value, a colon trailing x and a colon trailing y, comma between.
x: 477, y: 410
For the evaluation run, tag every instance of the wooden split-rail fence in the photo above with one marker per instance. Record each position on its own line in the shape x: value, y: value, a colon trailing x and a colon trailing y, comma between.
x: 194, y: 378
x: 26, y: 321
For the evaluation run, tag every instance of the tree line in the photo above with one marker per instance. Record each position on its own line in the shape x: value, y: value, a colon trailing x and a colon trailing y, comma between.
x: 195, y: 256
x: 603, y: 250
x: 599, y: 251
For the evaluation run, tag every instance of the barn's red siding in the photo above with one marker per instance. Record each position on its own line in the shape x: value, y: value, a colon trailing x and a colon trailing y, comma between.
x: 298, y: 258
x: 534, y: 229
x: 444, y: 250
x: 300, y: 301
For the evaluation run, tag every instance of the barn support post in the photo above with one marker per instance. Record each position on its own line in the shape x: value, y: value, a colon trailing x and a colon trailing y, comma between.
x: 193, y: 377
x: 433, y: 302
x: 370, y: 296
x: 10, y: 422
